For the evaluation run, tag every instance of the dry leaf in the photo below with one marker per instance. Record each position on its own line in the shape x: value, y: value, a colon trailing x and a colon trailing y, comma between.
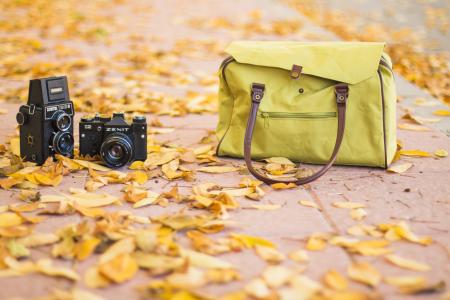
x: 269, y: 254
x: 399, y: 167
x: 299, y: 256
x: 279, y: 160
x: 309, y: 204
x: 441, y: 153
x: 90, y: 165
x: 365, y: 273
x: 442, y: 112
x: 413, y: 127
x: 349, y: 205
x: 315, y: 243
x: 407, y: 263
x: 120, y: 268
x: 334, y: 280
x: 257, y: 288
x: 414, y: 153
x: 9, y: 219
x: 283, y: 186
x: 358, y: 214
x: 277, y: 276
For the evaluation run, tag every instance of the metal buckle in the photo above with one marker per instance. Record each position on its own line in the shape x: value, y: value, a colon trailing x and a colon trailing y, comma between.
x: 341, y: 91
x: 31, y: 109
x: 296, y: 71
x: 257, y: 92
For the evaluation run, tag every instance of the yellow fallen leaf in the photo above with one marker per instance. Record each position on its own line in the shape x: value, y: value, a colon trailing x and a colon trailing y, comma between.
x: 399, y: 167
x: 218, y: 169
x: 441, y: 153
x: 315, y: 243
x: 46, y: 180
x: 15, y: 146
x: 123, y: 246
x: 406, y: 282
x: 90, y: 165
x: 283, y: 186
x: 414, y: 153
x: 299, y: 256
x: 205, y: 261
x: 365, y: 273
x: 93, y: 199
x: 85, y: 248
x: 202, y: 149
x: 92, y: 212
x: 334, y: 280
x: 276, y: 276
x: 94, y: 279
x: 249, y: 241
x: 38, y: 239
x: 407, y: 263
x: 269, y: 254
x: 308, y: 204
x: 442, y: 112
x: 46, y: 267
x: 349, y: 205
x: 358, y: 214
x: 137, y: 165
x: 138, y: 177
x: 7, y: 183
x: 119, y: 269
x: 191, y: 279
x: 402, y: 231
x: 9, y: 219
x: 279, y: 160
x: 257, y: 288
x: 413, y: 127
x: 159, y: 264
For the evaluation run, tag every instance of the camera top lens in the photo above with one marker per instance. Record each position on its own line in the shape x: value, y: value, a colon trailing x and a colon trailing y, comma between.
x: 63, y: 143
x: 63, y: 121
x: 116, y: 150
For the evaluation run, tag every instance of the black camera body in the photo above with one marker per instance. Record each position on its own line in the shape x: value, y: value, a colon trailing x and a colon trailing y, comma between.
x: 116, y: 141
x: 46, y: 122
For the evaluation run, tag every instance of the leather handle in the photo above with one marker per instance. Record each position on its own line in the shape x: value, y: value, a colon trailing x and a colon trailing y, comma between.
x: 341, y: 91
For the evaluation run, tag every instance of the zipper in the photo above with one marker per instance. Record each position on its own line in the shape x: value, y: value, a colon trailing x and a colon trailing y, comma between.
x: 288, y: 115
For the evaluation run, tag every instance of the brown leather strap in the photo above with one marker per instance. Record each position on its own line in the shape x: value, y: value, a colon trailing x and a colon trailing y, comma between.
x: 341, y: 91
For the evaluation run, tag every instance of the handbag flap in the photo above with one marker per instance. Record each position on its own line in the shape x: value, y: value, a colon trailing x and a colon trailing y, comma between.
x: 349, y: 62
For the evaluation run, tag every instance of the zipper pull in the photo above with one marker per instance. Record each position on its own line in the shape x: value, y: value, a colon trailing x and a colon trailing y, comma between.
x: 266, y: 119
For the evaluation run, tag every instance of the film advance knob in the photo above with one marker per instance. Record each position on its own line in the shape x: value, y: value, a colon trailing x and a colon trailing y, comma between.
x: 21, y: 118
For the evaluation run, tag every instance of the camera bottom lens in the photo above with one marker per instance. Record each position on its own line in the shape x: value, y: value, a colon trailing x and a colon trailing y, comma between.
x: 63, y: 143
x: 116, y: 150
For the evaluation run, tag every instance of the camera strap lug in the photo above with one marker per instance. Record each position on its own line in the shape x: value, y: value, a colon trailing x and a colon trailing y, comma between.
x: 31, y: 109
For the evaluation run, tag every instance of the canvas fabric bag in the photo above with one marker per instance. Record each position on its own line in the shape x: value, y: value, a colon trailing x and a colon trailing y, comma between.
x: 319, y: 103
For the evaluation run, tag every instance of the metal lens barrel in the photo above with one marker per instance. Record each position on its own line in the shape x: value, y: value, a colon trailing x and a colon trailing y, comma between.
x: 63, y: 143
x: 116, y: 150
x: 62, y: 121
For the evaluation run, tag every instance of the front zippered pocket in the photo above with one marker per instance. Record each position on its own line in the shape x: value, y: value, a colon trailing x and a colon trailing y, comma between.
x: 266, y: 116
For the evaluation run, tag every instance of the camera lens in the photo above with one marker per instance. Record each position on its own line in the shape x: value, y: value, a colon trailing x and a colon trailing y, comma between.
x: 63, y: 143
x: 116, y: 150
x: 63, y: 121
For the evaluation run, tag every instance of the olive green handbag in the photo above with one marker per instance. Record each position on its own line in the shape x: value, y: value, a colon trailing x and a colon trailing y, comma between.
x: 318, y: 103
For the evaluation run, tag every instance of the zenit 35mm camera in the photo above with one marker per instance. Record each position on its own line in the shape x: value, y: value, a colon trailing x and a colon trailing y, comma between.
x: 117, y: 142
x: 46, y: 122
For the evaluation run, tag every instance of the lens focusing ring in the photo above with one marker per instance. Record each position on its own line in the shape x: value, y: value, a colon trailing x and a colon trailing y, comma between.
x: 109, y: 147
x: 63, y: 143
x: 63, y: 121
